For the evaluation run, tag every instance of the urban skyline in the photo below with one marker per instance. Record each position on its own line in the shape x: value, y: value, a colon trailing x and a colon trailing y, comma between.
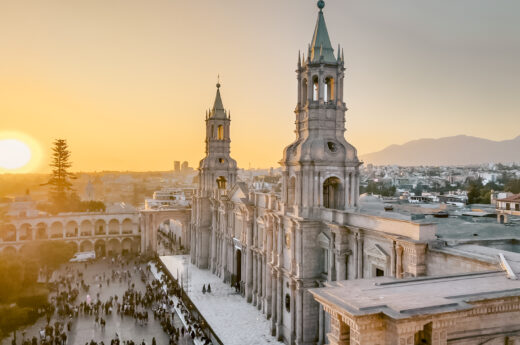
x: 113, y: 81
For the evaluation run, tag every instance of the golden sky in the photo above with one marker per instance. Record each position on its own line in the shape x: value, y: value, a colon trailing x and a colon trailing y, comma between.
x: 127, y: 82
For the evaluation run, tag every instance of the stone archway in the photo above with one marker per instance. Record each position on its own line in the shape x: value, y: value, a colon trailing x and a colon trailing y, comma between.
x: 86, y: 228
x: 127, y: 226
x: 26, y: 232
x: 86, y: 246
x: 100, y: 248
x: 100, y: 227
x: 8, y: 233
x: 41, y: 231
x: 113, y: 247
x: 113, y: 227
x: 71, y: 229
x: 126, y: 246
x: 56, y: 230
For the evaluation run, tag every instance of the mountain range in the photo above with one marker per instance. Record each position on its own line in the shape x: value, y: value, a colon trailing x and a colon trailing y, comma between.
x: 456, y: 150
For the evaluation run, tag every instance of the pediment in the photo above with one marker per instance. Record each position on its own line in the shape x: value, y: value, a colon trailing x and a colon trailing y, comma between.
x: 377, y: 252
x: 323, y: 240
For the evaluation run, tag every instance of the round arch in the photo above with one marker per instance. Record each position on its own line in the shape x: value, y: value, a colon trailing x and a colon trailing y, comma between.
x: 74, y: 246
x: 128, y: 226
x: 113, y: 227
x: 41, y: 231
x: 9, y: 233
x: 113, y: 247
x: 333, y: 193
x: 86, y: 246
x: 26, y: 232
x: 100, y: 248
x: 71, y: 229
x: 56, y: 230
x: 127, y: 246
x: 100, y: 227
x: 86, y: 228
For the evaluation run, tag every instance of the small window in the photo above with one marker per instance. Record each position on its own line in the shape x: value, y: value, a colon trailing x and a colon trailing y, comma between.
x: 220, y: 132
x: 517, y: 207
x: 304, y: 91
x: 332, y: 146
x: 288, y: 303
x: 329, y: 89
x: 315, y: 89
x: 380, y: 272
x: 508, y: 206
x: 221, y: 160
x: 221, y: 182
x: 325, y: 261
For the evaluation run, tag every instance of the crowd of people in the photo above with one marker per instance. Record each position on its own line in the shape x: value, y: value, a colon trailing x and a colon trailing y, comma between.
x: 65, y: 307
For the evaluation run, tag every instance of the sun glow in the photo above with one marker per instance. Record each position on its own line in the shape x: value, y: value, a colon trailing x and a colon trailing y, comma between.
x: 18, y: 153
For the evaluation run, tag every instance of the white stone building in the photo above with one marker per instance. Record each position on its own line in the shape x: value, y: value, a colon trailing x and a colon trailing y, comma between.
x: 278, y: 248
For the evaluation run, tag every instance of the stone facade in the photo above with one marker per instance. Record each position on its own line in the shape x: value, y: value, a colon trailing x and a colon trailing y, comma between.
x: 277, y: 247
x: 105, y: 233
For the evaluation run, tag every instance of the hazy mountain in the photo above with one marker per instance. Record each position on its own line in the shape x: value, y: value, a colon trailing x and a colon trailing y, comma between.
x: 458, y: 150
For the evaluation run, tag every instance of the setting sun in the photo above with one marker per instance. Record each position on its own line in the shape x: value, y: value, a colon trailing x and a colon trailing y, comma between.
x: 14, y: 154
x: 19, y: 153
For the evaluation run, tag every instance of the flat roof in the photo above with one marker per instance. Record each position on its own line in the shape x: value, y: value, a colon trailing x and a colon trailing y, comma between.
x: 404, y: 298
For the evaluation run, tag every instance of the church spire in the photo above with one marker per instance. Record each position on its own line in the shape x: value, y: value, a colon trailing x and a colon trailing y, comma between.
x: 218, y: 107
x: 321, y: 46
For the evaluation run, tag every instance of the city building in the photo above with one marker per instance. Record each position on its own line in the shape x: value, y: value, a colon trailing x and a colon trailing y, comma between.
x: 507, y: 208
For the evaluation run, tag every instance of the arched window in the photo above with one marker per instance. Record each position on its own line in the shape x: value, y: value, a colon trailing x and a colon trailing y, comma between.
x: 304, y: 91
x: 329, y: 89
x: 333, y: 193
x: 221, y: 182
x: 291, y: 191
x: 220, y: 132
x: 212, y: 133
x: 315, y: 89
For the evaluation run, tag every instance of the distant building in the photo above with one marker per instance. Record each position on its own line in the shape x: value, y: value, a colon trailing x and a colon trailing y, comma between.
x: 184, y: 166
x: 177, y: 166
x: 167, y: 198
x: 508, y: 207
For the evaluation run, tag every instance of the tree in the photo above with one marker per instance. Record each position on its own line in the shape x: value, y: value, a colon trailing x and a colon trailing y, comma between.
x: 513, y: 186
x: 60, y: 179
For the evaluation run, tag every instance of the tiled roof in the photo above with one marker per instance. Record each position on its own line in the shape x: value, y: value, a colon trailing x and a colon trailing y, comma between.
x: 512, y: 198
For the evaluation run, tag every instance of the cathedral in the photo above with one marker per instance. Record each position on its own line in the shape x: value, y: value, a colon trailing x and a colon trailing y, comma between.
x: 282, y: 250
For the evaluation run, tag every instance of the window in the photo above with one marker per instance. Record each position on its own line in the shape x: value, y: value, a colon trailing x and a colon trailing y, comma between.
x: 508, y: 206
x: 380, y: 272
x: 212, y: 133
x: 315, y: 89
x: 325, y: 261
x: 517, y: 207
x: 333, y: 193
x: 220, y: 132
x: 221, y: 182
x: 304, y: 92
x: 329, y: 89
x: 288, y: 303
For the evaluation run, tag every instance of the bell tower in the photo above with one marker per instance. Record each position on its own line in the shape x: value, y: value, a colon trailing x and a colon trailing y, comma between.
x: 320, y: 168
x: 217, y: 169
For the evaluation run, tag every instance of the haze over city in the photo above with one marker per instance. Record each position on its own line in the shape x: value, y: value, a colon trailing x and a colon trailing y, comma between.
x: 127, y: 83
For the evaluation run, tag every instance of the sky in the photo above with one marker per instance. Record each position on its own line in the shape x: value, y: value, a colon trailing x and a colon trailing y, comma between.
x: 127, y: 82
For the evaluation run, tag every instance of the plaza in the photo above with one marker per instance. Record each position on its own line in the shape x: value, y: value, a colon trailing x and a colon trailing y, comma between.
x: 126, y: 328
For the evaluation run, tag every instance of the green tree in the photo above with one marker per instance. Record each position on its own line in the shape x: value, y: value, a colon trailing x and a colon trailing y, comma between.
x: 474, y: 191
x: 513, y: 186
x: 60, y: 181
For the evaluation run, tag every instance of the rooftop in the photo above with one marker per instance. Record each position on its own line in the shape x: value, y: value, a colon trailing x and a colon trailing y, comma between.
x: 429, y: 295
